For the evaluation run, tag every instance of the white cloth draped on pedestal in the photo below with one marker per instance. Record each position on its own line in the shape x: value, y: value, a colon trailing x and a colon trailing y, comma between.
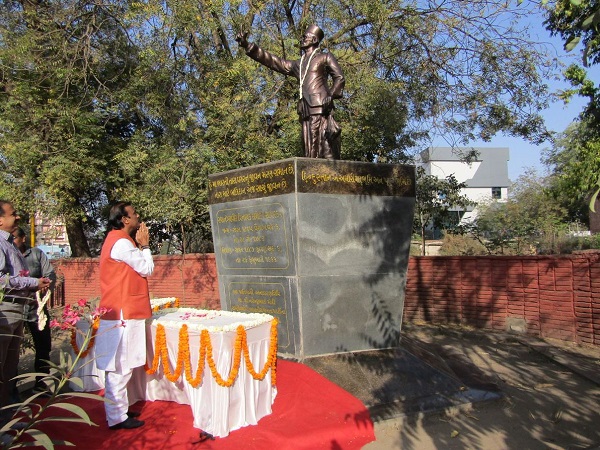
x: 217, y: 410
x: 86, y: 369
x: 103, y: 350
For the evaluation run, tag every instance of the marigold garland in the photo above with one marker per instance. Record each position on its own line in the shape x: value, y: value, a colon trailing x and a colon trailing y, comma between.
x: 173, y: 304
x: 206, y: 355
x: 90, y: 344
x: 271, y: 359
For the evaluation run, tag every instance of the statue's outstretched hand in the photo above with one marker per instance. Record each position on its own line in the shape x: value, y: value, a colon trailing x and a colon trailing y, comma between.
x: 242, y: 40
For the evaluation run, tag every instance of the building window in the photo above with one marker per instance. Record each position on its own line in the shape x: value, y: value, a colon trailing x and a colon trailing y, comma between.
x: 496, y: 192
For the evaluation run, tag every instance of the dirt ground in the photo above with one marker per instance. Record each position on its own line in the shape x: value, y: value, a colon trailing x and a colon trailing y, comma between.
x: 551, y: 393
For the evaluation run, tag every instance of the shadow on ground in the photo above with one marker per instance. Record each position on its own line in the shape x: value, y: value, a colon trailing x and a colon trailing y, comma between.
x: 452, y: 387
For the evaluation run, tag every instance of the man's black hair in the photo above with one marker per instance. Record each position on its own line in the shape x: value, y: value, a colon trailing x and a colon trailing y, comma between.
x: 117, y: 212
x: 2, y: 203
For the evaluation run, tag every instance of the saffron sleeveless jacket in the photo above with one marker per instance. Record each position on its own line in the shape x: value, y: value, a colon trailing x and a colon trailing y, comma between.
x: 121, y: 287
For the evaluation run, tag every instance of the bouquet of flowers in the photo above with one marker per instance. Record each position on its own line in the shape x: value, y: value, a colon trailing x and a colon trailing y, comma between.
x: 82, y: 310
x: 29, y: 413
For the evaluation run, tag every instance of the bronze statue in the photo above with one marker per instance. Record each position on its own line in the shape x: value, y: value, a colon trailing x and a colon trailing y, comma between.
x: 321, y: 135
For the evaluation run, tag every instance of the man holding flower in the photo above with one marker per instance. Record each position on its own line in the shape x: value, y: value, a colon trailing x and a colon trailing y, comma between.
x: 39, y: 266
x: 125, y: 263
x: 16, y: 292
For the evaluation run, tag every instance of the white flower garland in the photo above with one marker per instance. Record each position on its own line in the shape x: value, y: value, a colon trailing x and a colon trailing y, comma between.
x: 41, y: 301
x: 199, y: 319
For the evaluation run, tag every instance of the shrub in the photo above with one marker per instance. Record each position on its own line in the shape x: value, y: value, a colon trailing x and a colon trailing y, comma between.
x: 461, y: 245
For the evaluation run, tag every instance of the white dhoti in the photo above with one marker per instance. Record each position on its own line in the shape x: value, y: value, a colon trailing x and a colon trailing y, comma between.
x: 120, y: 348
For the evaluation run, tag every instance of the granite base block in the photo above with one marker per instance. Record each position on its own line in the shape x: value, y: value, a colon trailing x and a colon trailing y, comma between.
x: 321, y: 245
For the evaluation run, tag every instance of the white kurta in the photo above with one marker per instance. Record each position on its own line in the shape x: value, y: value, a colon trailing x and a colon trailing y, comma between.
x: 130, y: 334
x: 121, y: 344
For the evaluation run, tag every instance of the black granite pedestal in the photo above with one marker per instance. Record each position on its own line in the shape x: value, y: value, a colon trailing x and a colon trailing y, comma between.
x: 321, y: 245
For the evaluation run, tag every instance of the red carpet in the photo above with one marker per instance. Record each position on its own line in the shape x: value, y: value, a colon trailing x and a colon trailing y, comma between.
x: 309, y: 412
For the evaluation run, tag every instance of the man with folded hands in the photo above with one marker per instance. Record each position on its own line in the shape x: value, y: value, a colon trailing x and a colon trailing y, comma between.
x: 125, y: 262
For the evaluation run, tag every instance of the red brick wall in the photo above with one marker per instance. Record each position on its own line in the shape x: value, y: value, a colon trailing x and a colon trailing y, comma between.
x: 192, y: 279
x: 555, y: 297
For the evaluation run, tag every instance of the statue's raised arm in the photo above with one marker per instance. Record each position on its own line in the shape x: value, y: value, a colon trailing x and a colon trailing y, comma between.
x: 320, y: 133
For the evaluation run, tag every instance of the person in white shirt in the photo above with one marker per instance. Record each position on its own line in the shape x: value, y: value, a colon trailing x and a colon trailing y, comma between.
x: 125, y: 263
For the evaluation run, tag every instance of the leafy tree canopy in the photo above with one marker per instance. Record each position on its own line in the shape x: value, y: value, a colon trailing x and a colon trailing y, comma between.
x: 576, y: 21
x: 527, y: 218
x: 577, y: 170
x: 142, y: 100
x: 575, y: 163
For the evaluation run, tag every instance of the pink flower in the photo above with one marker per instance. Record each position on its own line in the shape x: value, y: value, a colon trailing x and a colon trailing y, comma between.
x: 80, y: 310
x: 24, y: 273
x: 70, y: 316
x: 71, y: 320
x: 99, y: 312
x: 54, y: 323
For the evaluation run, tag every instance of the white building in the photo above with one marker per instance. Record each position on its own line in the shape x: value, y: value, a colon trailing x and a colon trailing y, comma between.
x: 486, y: 176
x: 51, y: 237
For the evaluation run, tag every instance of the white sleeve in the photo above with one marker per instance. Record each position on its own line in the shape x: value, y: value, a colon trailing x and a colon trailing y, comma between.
x: 139, y: 260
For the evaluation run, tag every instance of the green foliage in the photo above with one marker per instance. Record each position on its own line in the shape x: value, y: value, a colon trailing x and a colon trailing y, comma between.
x: 457, y: 244
x: 437, y: 201
x: 575, y: 163
x: 594, y: 196
x: 564, y: 244
x: 142, y: 100
x: 529, y: 217
x: 172, y: 187
x: 498, y: 231
x: 579, y: 21
x: 57, y: 110
x: 31, y: 412
x: 415, y: 249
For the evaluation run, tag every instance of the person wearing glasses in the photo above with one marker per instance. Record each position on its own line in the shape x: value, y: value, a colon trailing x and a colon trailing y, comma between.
x: 321, y: 135
x: 125, y: 264
x: 39, y: 266
x: 16, y: 295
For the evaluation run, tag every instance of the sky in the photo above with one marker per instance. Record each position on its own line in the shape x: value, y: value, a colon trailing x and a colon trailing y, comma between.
x: 558, y: 116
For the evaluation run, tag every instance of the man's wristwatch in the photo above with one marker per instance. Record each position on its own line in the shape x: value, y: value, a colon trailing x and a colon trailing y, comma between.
x: 144, y: 247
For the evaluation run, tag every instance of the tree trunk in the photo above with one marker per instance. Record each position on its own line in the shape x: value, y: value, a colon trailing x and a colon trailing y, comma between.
x: 423, y: 239
x: 77, y: 239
